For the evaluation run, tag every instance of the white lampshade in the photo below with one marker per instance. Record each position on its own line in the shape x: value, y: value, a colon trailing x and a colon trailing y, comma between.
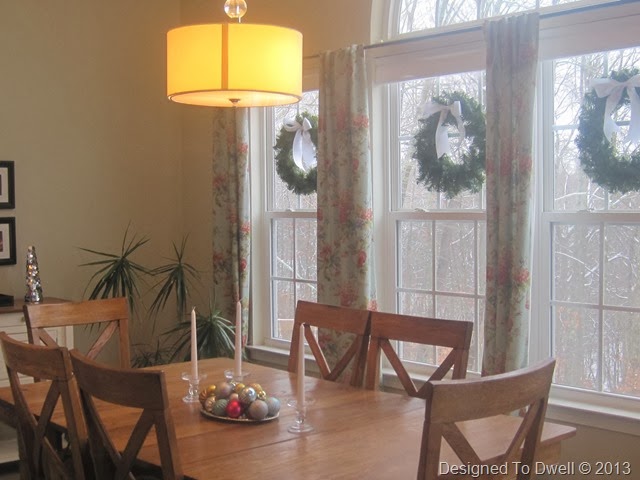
x: 234, y: 64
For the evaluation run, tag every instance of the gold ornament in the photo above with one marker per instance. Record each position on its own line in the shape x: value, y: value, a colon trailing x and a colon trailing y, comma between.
x: 209, y: 402
x: 239, y: 387
x: 255, y: 386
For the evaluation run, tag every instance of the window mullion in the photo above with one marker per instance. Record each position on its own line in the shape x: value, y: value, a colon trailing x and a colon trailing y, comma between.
x: 599, y: 375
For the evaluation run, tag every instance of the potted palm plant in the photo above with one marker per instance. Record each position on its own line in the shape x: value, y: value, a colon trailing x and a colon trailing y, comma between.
x: 215, y: 336
x: 118, y: 276
x: 175, y: 278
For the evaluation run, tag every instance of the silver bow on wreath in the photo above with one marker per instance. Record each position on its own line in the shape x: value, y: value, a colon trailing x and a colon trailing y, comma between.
x: 304, y: 151
x: 612, y: 89
x: 442, y: 136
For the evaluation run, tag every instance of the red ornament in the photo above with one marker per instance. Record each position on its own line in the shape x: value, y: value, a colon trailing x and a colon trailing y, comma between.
x: 234, y: 409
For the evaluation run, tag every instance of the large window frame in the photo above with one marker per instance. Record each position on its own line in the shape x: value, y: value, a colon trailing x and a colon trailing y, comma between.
x: 440, y: 54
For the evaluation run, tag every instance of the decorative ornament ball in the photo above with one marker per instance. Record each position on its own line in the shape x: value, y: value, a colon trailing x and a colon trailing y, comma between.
x: 223, y: 390
x: 234, y: 408
x: 211, y: 390
x: 258, y: 410
x: 260, y: 393
x: 220, y: 407
x: 247, y: 395
x: 239, y: 387
x: 234, y: 396
x: 202, y: 396
x: 209, y: 403
x: 256, y: 386
x: 273, y: 405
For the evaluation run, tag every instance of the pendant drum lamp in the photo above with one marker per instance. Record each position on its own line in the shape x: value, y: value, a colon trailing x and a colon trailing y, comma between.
x: 234, y: 64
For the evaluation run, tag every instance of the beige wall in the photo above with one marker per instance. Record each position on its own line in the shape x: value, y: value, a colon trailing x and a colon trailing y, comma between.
x: 96, y: 145
x: 325, y: 25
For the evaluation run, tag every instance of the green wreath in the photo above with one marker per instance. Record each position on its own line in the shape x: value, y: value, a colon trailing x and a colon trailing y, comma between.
x: 443, y: 174
x: 601, y: 160
x: 297, y: 180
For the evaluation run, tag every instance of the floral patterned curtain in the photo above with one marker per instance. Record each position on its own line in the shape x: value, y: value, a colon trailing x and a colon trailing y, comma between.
x: 231, y: 215
x: 512, y: 59
x: 345, y: 269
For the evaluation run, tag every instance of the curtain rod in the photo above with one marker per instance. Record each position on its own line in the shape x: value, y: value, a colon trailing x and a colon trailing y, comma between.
x: 475, y: 28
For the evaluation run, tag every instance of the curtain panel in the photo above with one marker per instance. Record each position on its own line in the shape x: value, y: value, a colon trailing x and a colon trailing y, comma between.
x: 345, y: 229
x: 512, y: 59
x: 231, y: 212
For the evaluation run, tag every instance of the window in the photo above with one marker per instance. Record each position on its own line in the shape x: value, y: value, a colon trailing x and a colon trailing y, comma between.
x: 586, y: 311
x: 439, y: 241
x: 417, y: 15
x: 585, y: 292
x: 595, y: 304
x: 291, y: 222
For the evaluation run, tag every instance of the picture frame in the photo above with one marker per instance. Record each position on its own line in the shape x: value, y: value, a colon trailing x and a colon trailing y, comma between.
x: 7, y: 241
x: 7, y: 185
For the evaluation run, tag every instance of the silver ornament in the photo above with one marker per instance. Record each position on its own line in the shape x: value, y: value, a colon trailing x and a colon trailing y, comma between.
x: 247, y: 395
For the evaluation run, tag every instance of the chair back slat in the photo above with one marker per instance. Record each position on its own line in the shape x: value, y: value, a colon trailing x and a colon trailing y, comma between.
x: 111, y: 314
x: 351, y: 321
x: 523, y: 391
x: 144, y: 390
x: 40, y: 455
x: 388, y: 327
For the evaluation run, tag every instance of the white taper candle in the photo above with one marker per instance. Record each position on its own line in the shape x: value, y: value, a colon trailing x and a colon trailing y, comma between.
x: 300, y: 377
x: 238, y: 352
x: 194, y: 345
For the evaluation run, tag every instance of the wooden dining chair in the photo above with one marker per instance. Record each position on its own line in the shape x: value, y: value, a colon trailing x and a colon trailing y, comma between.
x: 112, y: 314
x: 450, y: 402
x: 40, y: 456
x: 143, y: 390
x: 388, y: 327
x: 341, y: 319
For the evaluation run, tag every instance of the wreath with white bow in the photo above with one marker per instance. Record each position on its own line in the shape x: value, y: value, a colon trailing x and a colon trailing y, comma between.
x: 437, y: 169
x: 295, y: 152
x: 599, y: 141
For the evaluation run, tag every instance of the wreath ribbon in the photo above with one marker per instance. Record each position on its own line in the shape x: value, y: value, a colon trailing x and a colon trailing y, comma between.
x: 303, y: 151
x: 612, y: 89
x: 442, y: 136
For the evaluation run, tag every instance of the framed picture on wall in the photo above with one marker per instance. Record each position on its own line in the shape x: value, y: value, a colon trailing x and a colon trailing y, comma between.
x: 7, y: 185
x: 7, y: 241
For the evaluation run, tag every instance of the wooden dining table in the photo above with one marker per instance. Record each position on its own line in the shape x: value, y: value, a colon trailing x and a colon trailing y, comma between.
x: 358, y: 433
